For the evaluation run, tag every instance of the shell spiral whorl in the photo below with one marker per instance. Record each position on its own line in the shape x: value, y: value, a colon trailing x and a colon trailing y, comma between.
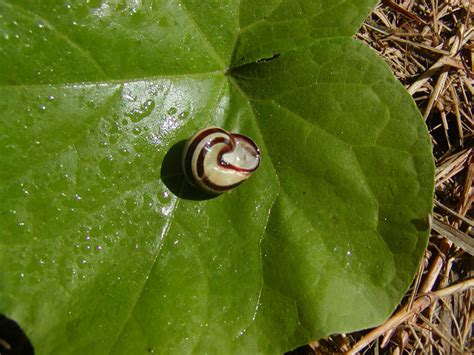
x: 217, y: 161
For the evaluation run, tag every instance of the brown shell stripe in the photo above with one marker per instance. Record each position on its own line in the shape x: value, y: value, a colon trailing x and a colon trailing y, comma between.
x: 192, y: 147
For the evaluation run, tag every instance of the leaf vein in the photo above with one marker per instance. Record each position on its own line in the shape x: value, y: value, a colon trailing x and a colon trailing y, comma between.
x: 85, y: 53
x: 212, y: 49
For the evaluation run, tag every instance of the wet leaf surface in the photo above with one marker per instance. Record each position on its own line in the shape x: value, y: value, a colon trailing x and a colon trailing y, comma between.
x: 103, y: 246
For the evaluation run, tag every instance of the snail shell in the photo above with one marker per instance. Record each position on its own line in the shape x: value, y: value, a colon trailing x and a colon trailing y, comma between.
x: 217, y: 161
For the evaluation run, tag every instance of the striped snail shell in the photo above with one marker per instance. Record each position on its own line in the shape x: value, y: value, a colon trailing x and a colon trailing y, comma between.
x: 217, y: 161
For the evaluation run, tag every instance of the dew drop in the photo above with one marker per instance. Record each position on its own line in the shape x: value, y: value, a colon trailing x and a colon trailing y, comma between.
x: 144, y: 111
x: 164, y: 197
x: 136, y: 130
x: 124, y: 151
x: 82, y: 263
x: 183, y: 115
x: 147, y: 202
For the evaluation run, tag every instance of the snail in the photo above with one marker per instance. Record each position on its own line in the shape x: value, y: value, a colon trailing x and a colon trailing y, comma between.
x: 218, y: 161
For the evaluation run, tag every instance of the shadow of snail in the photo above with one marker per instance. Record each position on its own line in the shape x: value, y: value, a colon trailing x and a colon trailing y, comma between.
x: 13, y: 340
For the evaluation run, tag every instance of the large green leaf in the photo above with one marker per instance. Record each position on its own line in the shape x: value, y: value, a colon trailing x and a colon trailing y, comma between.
x: 100, y: 254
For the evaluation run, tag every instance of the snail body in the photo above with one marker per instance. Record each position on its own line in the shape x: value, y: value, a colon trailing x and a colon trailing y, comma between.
x: 217, y: 161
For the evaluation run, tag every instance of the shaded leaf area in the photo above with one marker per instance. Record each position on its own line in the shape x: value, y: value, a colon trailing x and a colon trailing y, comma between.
x: 98, y: 252
x: 363, y: 201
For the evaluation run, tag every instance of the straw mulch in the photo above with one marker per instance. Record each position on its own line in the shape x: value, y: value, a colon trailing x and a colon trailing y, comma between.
x: 429, y: 45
